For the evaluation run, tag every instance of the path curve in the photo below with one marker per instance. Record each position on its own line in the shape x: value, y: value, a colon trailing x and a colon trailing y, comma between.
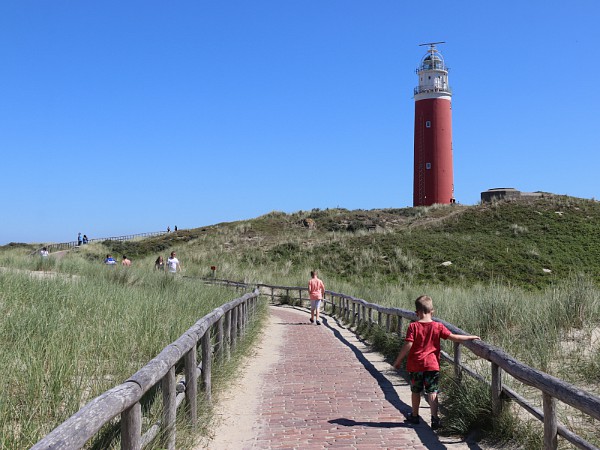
x: 313, y: 387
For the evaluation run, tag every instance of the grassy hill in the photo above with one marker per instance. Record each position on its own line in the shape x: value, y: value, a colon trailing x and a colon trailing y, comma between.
x: 484, y: 265
x: 528, y: 243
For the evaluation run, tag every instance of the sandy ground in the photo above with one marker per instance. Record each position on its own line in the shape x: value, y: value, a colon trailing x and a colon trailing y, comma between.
x: 236, y: 408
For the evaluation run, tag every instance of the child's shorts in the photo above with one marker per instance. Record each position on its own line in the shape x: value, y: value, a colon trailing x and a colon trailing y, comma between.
x: 428, y: 381
x: 315, y: 305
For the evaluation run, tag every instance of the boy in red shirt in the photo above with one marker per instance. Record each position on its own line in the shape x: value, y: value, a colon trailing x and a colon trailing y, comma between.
x: 422, y: 345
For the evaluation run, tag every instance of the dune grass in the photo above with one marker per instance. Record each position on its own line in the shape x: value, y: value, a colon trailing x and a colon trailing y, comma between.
x: 68, y: 339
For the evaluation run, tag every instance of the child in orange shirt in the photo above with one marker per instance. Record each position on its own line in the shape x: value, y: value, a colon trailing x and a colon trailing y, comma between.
x: 316, y: 290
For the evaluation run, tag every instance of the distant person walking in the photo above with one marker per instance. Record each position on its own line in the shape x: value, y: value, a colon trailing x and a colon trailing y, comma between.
x: 159, y: 264
x: 44, y: 252
x: 126, y: 262
x: 168, y: 229
x: 316, y: 291
x: 175, y: 227
x: 173, y: 263
x: 85, y: 239
x: 79, y: 239
x: 422, y: 346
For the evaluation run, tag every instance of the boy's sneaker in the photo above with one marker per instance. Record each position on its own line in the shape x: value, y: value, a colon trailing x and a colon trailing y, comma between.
x: 318, y: 322
x: 312, y: 320
x: 435, y: 423
x: 412, y: 419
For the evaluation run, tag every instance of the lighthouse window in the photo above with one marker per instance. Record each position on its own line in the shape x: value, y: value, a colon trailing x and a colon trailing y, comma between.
x: 428, y: 124
x: 428, y: 166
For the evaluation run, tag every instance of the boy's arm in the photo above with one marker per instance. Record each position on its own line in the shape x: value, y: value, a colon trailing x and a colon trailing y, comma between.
x: 403, y: 353
x: 462, y: 337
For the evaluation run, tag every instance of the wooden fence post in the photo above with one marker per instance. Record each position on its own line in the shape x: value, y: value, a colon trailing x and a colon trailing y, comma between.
x: 131, y: 428
x: 206, y: 366
x: 348, y: 311
x: 219, y: 347
x: 248, y: 310
x: 550, y: 422
x: 388, y: 320
x: 169, y: 409
x: 353, y: 314
x: 457, y: 360
x: 240, y: 319
x: 379, y: 318
x: 228, y: 334
x: 496, y: 389
x: 191, y: 384
x: 244, y: 317
x: 233, y: 328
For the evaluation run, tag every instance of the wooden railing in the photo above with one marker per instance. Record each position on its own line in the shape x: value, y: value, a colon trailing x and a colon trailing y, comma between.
x: 217, y: 332
x: 73, y: 244
x: 228, y: 322
x: 357, y: 312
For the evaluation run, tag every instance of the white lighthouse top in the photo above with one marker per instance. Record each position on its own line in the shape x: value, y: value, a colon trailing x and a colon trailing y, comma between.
x: 433, y: 75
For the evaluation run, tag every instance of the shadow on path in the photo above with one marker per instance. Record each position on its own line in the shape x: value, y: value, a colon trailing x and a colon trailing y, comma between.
x: 386, y: 385
x: 430, y: 439
x: 353, y: 423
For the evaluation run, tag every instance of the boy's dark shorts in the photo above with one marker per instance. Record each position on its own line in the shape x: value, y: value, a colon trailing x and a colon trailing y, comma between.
x: 428, y: 381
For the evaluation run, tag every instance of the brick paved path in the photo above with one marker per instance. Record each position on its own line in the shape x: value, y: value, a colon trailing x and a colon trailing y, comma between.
x: 329, y: 391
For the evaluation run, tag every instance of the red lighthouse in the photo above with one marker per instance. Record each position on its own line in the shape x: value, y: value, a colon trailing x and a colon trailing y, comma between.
x: 433, y: 179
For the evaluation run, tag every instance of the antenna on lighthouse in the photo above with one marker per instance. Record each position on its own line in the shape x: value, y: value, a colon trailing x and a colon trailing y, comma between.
x: 432, y: 45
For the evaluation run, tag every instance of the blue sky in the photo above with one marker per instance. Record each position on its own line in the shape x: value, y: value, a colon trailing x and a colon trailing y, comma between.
x: 127, y: 117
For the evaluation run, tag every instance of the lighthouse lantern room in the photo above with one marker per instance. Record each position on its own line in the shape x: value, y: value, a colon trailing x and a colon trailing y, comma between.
x: 433, y: 178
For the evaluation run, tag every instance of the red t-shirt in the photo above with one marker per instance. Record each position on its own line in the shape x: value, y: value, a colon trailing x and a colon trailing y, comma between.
x: 424, y: 354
